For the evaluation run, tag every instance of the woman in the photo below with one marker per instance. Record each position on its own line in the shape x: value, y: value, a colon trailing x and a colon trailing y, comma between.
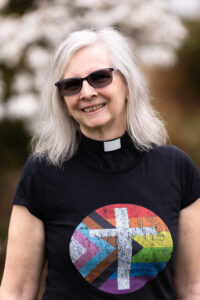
x: 102, y: 198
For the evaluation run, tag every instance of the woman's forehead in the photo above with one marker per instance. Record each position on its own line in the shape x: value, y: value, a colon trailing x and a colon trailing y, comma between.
x: 88, y: 59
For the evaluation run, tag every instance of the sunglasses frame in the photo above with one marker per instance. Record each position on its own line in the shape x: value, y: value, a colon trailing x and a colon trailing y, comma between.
x: 87, y: 78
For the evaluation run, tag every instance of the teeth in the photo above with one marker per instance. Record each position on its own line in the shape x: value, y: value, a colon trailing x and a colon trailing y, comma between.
x: 93, y: 108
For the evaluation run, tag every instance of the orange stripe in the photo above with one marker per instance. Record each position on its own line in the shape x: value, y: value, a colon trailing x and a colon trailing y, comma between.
x: 91, y: 223
x: 104, y: 264
x: 144, y: 222
x: 112, y: 221
x: 149, y: 222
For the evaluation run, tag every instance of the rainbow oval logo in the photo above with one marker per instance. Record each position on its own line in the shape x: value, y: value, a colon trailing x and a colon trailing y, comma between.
x: 119, y: 248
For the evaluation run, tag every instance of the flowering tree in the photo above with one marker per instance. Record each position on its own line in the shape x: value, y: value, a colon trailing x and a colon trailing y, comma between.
x: 28, y: 39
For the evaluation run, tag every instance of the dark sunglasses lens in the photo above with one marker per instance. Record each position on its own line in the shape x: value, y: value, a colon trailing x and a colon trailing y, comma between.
x: 100, y: 78
x: 70, y: 87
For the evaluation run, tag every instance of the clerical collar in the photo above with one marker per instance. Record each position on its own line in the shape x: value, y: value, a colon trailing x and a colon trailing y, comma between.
x: 123, y: 141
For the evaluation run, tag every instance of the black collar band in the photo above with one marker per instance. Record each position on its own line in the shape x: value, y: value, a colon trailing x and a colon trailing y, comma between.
x: 107, y: 146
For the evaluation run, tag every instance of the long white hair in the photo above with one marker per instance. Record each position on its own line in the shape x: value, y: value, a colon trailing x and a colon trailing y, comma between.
x: 56, y: 136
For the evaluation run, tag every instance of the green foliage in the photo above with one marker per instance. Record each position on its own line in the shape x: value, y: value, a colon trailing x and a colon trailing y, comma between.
x: 13, y: 144
x: 8, y: 74
x: 3, y: 231
x: 189, y: 59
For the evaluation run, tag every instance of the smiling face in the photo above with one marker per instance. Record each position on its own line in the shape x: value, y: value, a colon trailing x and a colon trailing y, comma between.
x: 100, y: 112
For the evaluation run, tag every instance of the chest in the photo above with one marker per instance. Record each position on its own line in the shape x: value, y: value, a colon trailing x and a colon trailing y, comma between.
x: 118, y: 231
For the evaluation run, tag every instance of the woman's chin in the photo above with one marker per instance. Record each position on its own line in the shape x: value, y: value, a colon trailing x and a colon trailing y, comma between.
x: 96, y: 123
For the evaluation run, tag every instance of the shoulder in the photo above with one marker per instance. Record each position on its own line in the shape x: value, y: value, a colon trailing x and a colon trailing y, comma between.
x: 41, y: 166
x: 169, y: 152
x: 171, y: 158
x: 31, y: 191
x: 176, y: 166
x: 36, y: 165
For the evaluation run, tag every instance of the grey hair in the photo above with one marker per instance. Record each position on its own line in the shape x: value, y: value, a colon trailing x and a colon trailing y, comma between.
x: 56, y: 136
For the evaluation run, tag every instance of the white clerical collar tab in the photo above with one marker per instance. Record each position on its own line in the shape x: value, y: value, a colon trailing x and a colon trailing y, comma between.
x: 112, y: 145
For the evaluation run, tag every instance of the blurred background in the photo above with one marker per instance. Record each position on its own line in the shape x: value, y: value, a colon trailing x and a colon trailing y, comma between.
x: 166, y: 38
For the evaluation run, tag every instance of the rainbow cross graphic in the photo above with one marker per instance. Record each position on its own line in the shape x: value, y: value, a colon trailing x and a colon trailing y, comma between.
x: 124, y: 234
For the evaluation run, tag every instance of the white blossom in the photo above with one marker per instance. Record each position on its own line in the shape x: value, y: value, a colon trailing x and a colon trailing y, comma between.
x: 190, y: 9
x: 22, y: 83
x: 157, y: 55
x: 29, y: 39
x: 3, y: 3
x: 51, y: 22
x: 22, y: 106
x: 37, y: 57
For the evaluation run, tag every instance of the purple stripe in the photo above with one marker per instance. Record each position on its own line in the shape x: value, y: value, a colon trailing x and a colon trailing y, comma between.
x: 91, y: 249
x: 110, y: 285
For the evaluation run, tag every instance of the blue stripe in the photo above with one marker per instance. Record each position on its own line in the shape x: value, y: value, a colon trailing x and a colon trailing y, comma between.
x: 143, y: 269
x: 105, y: 247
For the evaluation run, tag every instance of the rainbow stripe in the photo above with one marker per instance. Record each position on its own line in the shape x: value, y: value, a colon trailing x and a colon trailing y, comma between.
x: 119, y: 248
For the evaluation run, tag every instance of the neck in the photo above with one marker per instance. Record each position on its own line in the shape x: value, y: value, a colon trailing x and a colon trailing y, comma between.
x: 103, y: 135
x: 109, y: 156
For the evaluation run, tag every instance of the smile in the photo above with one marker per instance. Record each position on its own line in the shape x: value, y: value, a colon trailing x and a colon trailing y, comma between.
x: 93, y: 108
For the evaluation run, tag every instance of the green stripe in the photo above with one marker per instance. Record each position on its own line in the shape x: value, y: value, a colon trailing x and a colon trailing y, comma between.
x: 148, y: 255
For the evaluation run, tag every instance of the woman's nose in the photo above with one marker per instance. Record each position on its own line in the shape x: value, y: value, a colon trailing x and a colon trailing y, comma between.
x: 87, y: 91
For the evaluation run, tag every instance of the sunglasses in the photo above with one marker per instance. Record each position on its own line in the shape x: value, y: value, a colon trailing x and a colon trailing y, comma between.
x: 97, y: 79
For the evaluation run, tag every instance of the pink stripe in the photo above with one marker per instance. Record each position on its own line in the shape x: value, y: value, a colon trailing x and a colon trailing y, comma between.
x: 91, y: 249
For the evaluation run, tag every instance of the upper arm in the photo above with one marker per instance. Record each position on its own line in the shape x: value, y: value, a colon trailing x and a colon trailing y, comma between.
x: 25, y: 255
x: 187, y: 271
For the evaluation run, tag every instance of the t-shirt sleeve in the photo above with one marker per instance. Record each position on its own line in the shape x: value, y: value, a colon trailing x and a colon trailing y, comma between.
x: 30, y: 189
x: 190, y: 180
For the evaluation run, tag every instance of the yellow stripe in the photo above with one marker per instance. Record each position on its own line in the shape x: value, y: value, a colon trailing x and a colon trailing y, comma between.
x: 162, y: 239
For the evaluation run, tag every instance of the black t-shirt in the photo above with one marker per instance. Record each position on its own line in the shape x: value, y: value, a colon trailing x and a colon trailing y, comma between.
x: 111, y: 218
